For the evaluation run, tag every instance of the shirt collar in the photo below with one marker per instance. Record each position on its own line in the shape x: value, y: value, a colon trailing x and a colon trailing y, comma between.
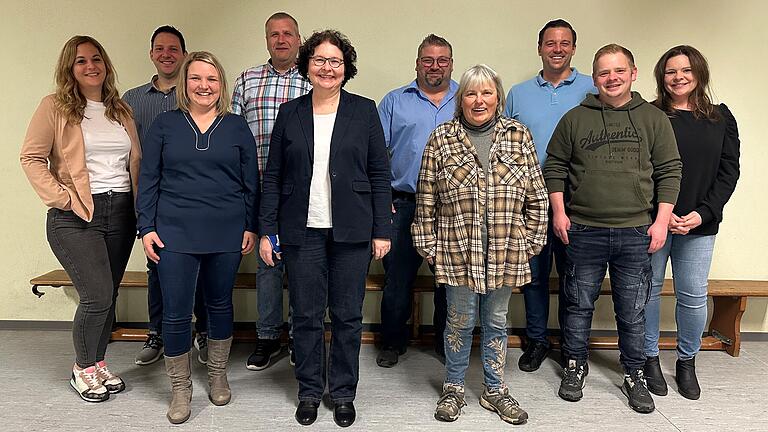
x: 453, y: 87
x: 571, y: 78
x: 151, y: 87
x: 292, y: 70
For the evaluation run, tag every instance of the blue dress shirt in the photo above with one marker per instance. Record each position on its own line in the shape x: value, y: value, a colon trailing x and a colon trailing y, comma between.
x: 539, y: 105
x: 408, y: 118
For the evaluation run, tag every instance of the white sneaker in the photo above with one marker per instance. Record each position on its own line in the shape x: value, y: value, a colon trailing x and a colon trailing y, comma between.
x: 88, y: 385
x: 112, y: 382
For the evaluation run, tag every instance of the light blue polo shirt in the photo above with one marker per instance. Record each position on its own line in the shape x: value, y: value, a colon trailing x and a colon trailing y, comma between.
x: 408, y: 118
x: 539, y: 105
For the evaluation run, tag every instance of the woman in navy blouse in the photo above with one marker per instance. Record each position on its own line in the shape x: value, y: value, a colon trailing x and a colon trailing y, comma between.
x: 708, y: 141
x: 198, y: 195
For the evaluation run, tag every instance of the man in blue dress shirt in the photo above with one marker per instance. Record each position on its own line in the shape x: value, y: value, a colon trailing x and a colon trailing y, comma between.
x: 539, y: 103
x: 409, y: 114
x: 167, y: 51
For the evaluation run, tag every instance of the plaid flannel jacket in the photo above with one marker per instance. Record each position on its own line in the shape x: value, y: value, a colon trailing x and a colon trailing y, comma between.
x: 452, y: 194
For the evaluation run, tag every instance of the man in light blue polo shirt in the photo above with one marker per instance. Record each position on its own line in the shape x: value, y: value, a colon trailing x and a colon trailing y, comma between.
x: 409, y: 114
x: 539, y: 103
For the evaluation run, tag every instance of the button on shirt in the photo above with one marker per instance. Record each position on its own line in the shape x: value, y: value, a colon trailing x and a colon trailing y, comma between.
x: 147, y: 102
x: 539, y: 105
x: 259, y: 91
x: 408, y: 118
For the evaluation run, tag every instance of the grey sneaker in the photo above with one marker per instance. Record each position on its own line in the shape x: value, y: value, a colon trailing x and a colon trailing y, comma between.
x: 450, y: 403
x: 201, y: 345
x: 152, y: 350
x: 635, y: 389
x: 500, y: 402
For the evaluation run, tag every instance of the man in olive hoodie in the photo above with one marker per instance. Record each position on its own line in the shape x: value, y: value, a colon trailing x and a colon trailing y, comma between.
x: 613, y: 174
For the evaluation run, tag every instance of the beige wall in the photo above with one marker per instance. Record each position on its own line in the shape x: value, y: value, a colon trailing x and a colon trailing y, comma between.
x: 499, y: 33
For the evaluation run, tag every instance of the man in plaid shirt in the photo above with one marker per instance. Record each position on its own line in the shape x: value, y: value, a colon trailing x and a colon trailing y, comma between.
x: 258, y: 93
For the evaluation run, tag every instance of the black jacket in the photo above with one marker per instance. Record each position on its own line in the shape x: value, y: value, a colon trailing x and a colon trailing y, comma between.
x: 358, y: 168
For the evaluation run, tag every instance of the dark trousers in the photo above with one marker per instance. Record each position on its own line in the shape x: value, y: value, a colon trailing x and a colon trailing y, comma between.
x: 179, y: 273
x: 401, y: 265
x: 94, y: 255
x: 325, y: 273
x: 536, y: 293
x: 624, y: 252
x: 155, y: 303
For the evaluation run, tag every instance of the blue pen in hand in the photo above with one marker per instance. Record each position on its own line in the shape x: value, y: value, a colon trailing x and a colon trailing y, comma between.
x: 274, y: 240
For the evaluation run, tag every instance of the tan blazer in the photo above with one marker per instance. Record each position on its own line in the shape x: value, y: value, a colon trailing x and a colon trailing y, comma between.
x: 53, y: 158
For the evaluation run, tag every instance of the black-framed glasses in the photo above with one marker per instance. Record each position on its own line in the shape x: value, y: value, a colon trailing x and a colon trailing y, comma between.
x: 430, y: 61
x: 333, y: 61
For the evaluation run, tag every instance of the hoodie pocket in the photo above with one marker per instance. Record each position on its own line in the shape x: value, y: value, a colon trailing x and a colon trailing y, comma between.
x: 606, y: 194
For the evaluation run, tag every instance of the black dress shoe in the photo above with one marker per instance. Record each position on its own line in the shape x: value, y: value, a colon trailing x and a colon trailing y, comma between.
x: 687, y: 383
x: 388, y: 356
x: 306, y: 412
x: 344, y: 413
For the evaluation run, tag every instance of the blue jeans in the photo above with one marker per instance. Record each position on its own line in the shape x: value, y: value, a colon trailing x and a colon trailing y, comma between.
x: 269, y: 300
x: 94, y: 255
x: 179, y: 273
x: 462, y: 314
x: 325, y: 273
x: 691, y: 258
x: 624, y: 252
x: 401, y: 266
x: 155, y: 303
x: 536, y: 293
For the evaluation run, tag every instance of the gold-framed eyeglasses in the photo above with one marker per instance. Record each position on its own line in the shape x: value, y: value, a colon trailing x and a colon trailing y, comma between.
x: 430, y: 61
x: 333, y: 61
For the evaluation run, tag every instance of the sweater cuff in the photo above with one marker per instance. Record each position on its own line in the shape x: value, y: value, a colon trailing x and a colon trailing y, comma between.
x: 705, y: 213
x: 555, y: 185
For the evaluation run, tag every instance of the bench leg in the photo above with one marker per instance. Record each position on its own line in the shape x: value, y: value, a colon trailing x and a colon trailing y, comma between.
x: 416, y: 315
x: 726, y: 322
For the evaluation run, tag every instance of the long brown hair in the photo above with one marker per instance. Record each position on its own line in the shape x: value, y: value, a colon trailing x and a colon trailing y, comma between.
x: 69, y: 100
x: 700, y: 99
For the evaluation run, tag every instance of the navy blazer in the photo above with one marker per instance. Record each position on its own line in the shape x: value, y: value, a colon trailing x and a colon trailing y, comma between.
x: 361, y: 198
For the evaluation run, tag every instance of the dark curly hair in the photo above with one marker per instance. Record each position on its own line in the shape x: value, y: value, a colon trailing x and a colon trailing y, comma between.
x: 337, y: 39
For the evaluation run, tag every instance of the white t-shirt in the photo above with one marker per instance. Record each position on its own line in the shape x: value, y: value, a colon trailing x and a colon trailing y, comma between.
x: 107, y: 149
x: 320, y: 188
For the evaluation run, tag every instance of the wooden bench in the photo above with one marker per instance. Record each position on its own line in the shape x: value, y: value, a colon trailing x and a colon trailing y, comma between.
x: 729, y: 299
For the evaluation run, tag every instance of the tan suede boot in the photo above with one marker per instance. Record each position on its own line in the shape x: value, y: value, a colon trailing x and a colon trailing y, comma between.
x: 181, y: 387
x: 218, y: 357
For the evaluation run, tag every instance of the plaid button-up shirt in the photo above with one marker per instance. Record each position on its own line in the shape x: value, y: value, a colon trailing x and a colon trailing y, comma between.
x: 259, y: 91
x: 454, y: 192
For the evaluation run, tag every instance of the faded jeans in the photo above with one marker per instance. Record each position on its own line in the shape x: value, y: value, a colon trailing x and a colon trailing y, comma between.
x: 691, y: 258
x: 462, y: 313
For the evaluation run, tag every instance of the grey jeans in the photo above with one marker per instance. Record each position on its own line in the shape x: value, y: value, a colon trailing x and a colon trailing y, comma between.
x: 94, y: 255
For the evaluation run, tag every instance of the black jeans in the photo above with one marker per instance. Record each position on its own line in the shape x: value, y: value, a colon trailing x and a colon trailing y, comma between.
x: 401, y: 266
x: 325, y: 273
x: 624, y: 252
x: 94, y: 255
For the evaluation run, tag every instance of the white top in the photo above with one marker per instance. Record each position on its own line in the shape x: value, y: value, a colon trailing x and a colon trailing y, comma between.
x: 320, y: 188
x: 107, y: 147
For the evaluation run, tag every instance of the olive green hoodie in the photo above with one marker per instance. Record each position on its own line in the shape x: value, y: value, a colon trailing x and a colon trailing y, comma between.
x: 613, y: 164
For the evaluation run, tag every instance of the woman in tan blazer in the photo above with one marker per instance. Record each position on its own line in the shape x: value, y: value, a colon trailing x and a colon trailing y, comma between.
x: 81, y: 155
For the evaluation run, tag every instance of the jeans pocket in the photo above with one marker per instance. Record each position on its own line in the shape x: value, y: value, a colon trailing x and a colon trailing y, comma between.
x: 577, y: 227
x: 641, y: 230
x: 644, y: 289
x: 571, y: 286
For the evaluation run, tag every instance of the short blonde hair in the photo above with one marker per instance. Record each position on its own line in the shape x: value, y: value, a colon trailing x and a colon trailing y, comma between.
x: 182, y: 98
x: 476, y: 75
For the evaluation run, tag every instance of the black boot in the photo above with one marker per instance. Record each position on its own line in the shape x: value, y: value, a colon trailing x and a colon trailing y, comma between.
x: 653, y: 376
x: 687, y: 384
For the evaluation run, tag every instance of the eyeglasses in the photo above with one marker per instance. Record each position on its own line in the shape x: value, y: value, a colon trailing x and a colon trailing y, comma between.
x: 333, y: 61
x: 441, y: 61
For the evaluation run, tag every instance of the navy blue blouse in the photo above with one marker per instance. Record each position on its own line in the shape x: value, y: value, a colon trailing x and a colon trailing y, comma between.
x: 198, y: 191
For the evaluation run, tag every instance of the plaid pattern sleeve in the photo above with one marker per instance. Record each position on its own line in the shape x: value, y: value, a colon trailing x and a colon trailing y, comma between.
x: 423, y: 227
x: 536, y: 200
x: 257, y: 96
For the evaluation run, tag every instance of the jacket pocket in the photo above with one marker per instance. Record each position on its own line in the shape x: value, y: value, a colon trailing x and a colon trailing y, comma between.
x: 361, y: 186
x: 511, y: 170
x: 460, y: 170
